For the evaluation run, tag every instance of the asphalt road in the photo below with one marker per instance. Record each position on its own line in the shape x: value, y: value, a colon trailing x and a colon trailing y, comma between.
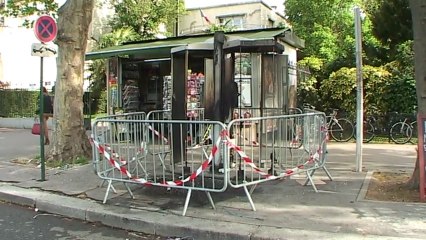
x: 18, y: 143
x: 20, y: 223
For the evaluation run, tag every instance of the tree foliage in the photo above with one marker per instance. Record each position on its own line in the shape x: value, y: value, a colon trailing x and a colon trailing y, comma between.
x: 145, y: 16
x: 25, y: 8
x: 322, y: 24
x: 391, y: 20
x: 308, y: 86
x: 329, y: 36
x: 340, y: 89
x: 400, y: 95
x: 225, y: 27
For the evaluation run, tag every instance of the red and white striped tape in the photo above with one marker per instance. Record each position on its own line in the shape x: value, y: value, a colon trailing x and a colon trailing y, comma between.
x: 206, y: 163
x: 158, y: 134
x: 250, y: 163
x: 124, y: 170
x: 102, y: 150
x: 288, y: 172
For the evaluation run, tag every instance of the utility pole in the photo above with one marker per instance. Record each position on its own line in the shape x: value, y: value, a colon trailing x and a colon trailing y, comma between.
x: 359, y: 89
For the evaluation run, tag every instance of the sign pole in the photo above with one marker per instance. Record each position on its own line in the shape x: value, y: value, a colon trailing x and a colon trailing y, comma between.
x: 42, y: 130
x: 45, y: 30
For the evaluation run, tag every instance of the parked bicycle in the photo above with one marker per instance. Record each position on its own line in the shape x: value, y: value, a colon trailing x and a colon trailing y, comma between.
x: 403, y: 131
x: 340, y: 129
x: 368, y: 129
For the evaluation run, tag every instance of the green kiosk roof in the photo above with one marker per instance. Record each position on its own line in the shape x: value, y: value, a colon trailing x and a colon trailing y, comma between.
x: 160, y: 48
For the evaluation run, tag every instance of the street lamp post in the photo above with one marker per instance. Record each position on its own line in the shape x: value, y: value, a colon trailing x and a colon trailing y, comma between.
x: 359, y: 90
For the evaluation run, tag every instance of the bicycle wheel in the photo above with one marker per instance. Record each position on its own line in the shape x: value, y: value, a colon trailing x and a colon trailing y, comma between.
x: 367, y: 133
x: 401, y: 132
x: 342, y: 130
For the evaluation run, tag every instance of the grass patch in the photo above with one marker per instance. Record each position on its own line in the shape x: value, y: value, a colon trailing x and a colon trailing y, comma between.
x: 81, y: 161
x: 98, y: 115
x: 78, y: 161
x: 382, y: 139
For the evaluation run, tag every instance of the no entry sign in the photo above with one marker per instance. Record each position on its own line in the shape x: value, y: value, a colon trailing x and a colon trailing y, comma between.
x: 45, y: 29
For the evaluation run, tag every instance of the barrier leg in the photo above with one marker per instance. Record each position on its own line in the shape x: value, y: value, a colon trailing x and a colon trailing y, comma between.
x: 130, y: 191
x: 142, y: 168
x: 253, y: 188
x: 188, y: 196
x: 309, y: 179
x: 102, y: 184
x: 107, y: 191
x: 328, y: 173
x: 211, y: 200
x: 249, y: 198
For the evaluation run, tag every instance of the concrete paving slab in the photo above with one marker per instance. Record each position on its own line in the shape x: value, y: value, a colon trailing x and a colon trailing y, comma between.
x: 19, y: 173
x: 73, y: 181
x: 284, y: 208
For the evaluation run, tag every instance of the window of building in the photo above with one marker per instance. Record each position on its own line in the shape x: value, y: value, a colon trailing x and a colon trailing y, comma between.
x: 235, y: 21
x: 243, y: 78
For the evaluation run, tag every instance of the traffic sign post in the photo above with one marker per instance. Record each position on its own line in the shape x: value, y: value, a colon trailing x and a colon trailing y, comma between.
x: 44, y: 50
x: 45, y: 30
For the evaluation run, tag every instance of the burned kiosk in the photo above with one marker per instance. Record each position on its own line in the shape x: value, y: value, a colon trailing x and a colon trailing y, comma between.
x: 220, y: 77
x: 201, y: 100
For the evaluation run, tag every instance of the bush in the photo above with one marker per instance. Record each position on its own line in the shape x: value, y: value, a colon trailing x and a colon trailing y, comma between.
x: 24, y: 103
x: 18, y: 103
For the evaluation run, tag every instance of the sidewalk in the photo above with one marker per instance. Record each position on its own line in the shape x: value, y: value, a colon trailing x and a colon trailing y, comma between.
x: 285, y: 209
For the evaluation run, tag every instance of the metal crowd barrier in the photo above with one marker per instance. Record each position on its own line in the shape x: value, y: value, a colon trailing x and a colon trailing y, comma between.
x: 268, y: 148
x: 124, y: 132
x: 208, y: 156
x: 115, y: 134
x: 194, y: 133
x: 161, y: 157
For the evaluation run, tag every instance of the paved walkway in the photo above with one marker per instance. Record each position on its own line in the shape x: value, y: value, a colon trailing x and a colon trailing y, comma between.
x: 285, y: 209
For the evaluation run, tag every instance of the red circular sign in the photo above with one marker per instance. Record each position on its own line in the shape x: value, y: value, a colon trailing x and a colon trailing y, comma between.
x: 45, y: 29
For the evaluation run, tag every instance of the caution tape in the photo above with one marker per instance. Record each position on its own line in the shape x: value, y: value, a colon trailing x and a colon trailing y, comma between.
x: 158, y: 134
x: 206, y: 163
x: 179, y: 182
x: 102, y: 150
x: 250, y: 163
x: 288, y: 172
x: 114, y: 154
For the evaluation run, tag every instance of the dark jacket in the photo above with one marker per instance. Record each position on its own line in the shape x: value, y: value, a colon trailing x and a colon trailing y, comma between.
x: 48, y: 105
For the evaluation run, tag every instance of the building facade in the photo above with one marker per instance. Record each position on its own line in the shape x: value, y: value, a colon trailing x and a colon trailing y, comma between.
x: 245, y: 15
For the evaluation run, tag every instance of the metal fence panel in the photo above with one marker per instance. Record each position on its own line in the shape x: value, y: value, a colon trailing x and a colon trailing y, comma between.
x: 147, y: 157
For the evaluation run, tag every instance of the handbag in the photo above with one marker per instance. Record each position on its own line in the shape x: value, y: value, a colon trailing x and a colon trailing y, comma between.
x: 36, y: 127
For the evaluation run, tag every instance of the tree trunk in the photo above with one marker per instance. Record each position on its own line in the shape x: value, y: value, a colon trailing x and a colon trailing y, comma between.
x: 414, y: 181
x: 69, y: 138
x: 418, y: 13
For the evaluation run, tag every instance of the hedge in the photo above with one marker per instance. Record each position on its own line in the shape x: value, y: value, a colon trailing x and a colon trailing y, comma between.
x: 18, y: 103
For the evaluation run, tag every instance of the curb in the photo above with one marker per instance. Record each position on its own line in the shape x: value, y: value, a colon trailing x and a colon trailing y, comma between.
x: 363, y: 192
x: 163, y: 224
x: 126, y: 218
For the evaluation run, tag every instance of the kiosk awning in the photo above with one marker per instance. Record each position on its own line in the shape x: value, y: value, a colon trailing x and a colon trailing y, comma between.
x: 160, y: 48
